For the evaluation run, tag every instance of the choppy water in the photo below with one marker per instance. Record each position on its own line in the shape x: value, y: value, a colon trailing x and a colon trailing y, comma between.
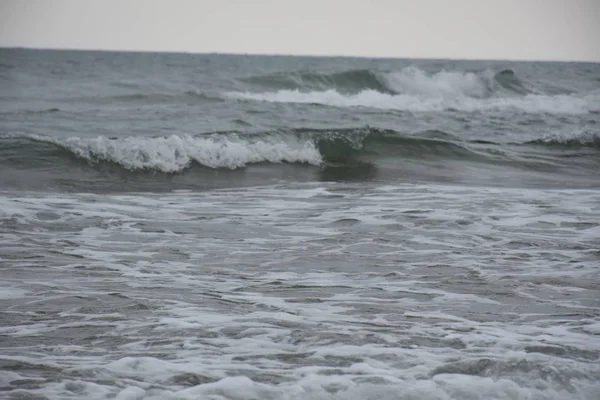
x: 236, y: 227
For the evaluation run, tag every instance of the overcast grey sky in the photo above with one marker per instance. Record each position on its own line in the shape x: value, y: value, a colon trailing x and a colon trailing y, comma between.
x: 483, y: 29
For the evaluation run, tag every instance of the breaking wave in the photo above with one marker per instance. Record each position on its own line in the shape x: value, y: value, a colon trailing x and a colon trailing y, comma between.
x: 177, y: 152
x: 414, y: 90
x: 413, y: 81
x: 575, y: 140
x: 410, y: 80
x: 559, y: 104
x: 232, y: 150
x: 346, y: 81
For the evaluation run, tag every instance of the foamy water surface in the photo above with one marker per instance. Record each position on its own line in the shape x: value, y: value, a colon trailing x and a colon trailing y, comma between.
x: 301, y: 291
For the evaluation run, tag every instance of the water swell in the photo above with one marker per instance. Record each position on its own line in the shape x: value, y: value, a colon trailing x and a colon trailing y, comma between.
x: 533, y: 104
x: 414, y: 90
x: 416, y: 82
x: 233, y: 150
x: 409, y: 80
x: 346, y: 81
x: 176, y: 153
x: 508, y: 79
x: 148, y: 98
x: 347, y: 146
x: 585, y: 139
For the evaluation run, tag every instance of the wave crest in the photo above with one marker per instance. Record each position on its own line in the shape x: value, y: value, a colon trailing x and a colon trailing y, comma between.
x: 413, y: 81
x: 232, y: 150
x: 346, y: 81
x: 175, y: 153
x: 580, y: 139
x: 415, y: 90
x: 409, y: 80
x: 559, y: 104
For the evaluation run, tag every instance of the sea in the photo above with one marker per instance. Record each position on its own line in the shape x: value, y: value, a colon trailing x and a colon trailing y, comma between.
x: 212, y: 226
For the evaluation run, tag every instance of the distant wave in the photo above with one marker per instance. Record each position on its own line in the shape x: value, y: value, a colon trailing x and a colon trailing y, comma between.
x: 508, y: 79
x: 575, y: 140
x: 558, y: 104
x: 346, y: 81
x: 412, y: 89
x: 450, y: 84
x: 410, y: 81
x: 150, y: 98
x: 42, y: 111
x: 232, y: 150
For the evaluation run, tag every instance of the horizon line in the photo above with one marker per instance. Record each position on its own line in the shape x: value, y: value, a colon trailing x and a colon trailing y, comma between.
x: 260, y: 54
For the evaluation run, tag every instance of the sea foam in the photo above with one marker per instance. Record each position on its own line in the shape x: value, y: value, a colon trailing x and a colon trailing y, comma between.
x: 441, y: 101
x: 412, y: 89
x: 176, y: 152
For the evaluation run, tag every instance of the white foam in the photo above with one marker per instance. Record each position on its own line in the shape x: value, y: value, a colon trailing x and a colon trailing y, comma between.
x: 414, y: 81
x: 439, y: 99
x: 245, y: 299
x: 175, y: 153
x: 578, y: 136
x: 592, y: 328
x: 131, y: 393
x: 7, y: 376
x: 11, y: 293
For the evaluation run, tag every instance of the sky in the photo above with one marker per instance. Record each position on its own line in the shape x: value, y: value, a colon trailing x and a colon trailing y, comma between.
x: 563, y: 30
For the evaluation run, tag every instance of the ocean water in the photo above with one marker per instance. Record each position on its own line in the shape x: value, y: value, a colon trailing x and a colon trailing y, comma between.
x: 178, y: 226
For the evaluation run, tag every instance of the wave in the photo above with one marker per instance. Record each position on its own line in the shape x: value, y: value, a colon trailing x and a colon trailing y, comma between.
x: 507, y: 79
x: 175, y: 153
x: 532, y: 103
x: 348, y: 145
x: 450, y: 84
x: 410, y: 80
x: 31, y: 112
x: 151, y: 98
x: 345, y: 81
x: 576, y: 140
x: 233, y: 150
x: 414, y: 90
